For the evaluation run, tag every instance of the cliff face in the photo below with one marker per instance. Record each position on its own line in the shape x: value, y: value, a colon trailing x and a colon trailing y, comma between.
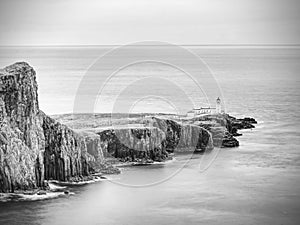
x: 66, y: 152
x: 183, y: 137
x: 134, y: 144
x: 34, y: 147
x: 224, y: 128
x: 156, y: 141
x: 21, y: 154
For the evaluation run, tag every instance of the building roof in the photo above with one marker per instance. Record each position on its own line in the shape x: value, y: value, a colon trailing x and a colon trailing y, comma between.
x: 204, y: 108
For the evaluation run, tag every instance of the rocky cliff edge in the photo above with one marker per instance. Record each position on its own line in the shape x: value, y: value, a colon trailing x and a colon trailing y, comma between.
x: 34, y: 147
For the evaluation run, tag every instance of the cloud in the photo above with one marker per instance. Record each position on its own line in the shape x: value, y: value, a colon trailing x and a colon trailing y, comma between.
x: 35, y: 22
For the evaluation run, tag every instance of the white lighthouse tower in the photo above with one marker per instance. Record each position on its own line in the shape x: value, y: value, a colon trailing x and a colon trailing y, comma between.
x: 218, y: 106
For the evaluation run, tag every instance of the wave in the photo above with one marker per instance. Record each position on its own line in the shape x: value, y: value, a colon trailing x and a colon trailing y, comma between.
x: 62, y: 184
x: 8, y: 197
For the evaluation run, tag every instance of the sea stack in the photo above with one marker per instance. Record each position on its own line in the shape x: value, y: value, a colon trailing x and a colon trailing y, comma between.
x: 34, y: 147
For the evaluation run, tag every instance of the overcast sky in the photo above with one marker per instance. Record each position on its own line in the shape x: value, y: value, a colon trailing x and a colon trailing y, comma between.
x: 96, y: 22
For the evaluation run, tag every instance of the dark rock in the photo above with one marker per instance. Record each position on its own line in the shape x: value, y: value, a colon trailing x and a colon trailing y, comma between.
x: 224, y: 128
x: 21, y: 157
x: 250, y: 120
x: 183, y: 137
x: 34, y: 147
x: 239, y: 124
x: 41, y: 192
x: 229, y: 141
x: 131, y: 144
x: 153, y: 143
x: 66, y: 152
x: 236, y: 134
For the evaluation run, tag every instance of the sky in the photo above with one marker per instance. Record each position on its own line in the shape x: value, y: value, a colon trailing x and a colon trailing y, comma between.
x: 183, y: 22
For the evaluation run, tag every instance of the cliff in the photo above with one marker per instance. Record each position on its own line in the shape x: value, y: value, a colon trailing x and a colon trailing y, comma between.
x: 154, y: 143
x: 21, y: 154
x: 183, y: 137
x: 68, y: 154
x: 132, y: 144
x: 34, y: 147
x: 224, y: 128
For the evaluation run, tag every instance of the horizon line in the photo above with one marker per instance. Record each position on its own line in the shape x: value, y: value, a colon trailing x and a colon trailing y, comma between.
x: 161, y: 45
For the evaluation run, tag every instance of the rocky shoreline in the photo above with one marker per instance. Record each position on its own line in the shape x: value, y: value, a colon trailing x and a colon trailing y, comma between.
x: 35, y: 148
x: 224, y: 128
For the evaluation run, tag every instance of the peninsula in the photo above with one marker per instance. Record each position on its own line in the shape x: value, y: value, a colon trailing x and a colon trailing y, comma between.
x: 35, y: 147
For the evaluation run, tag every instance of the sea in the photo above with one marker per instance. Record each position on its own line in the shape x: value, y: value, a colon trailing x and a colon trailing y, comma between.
x: 255, y: 183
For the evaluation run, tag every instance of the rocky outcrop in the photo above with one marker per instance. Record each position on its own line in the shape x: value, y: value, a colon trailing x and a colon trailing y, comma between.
x: 134, y: 144
x: 68, y: 155
x: 224, y: 128
x: 235, y: 124
x: 34, y: 147
x: 21, y: 155
x: 154, y: 142
x: 183, y: 137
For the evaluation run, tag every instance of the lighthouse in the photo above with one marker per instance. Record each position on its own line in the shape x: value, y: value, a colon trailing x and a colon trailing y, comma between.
x: 218, y: 105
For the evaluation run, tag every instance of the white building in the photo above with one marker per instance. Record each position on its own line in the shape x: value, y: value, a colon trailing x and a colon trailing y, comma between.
x: 218, y: 106
x: 206, y: 110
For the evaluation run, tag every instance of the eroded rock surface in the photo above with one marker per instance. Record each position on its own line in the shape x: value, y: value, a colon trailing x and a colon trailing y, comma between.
x: 21, y: 155
x: 183, y: 137
x: 34, y: 147
x: 155, y: 142
x: 131, y: 144
x: 224, y: 128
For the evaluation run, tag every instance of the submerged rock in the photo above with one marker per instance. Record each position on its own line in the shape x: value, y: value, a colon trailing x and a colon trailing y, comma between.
x: 41, y: 192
